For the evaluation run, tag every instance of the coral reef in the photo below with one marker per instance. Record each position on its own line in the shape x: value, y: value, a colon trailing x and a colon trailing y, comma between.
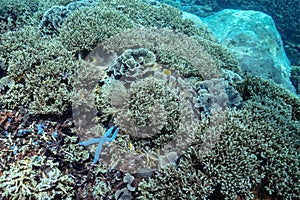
x: 14, y: 14
x: 190, y: 124
x: 241, y: 159
x: 295, y: 78
x: 25, y: 181
x: 54, y: 17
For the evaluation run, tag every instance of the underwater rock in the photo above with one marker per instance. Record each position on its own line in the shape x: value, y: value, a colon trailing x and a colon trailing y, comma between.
x: 285, y: 14
x: 254, y: 40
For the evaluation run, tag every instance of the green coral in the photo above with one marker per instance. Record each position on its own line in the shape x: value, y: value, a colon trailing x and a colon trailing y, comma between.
x: 295, y: 78
x: 255, y: 86
x: 229, y: 158
x: 96, y: 24
x: 16, y: 13
x: 35, y: 177
x: 37, y: 66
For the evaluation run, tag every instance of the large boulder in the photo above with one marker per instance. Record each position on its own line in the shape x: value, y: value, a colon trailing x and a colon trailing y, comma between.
x: 254, y: 40
x: 286, y: 15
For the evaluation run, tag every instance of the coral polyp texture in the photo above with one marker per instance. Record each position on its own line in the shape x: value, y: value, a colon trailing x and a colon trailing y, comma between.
x: 168, y: 108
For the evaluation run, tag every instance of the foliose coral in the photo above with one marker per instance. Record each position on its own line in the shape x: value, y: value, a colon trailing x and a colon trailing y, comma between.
x: 130, y: 59
x: 218, y: 91
x: 54, y: 17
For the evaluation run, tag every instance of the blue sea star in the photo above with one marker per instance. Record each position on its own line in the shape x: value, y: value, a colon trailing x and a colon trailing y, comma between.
x: 101, y: 141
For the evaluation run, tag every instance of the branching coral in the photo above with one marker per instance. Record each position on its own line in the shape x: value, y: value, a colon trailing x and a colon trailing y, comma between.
x: 182, y: 181
x: 26, y: 179
x: 15, y: 14
x: 295, y: 78
x: 247, y: 155
x: 96, y: 24
x: 54, y: 17
x: 36, y: 66
x: 149, y: 92
x: 135, y: 113
x: 254, y: 86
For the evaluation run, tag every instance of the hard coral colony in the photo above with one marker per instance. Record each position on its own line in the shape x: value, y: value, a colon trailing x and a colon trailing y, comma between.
x: 191, y: 123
